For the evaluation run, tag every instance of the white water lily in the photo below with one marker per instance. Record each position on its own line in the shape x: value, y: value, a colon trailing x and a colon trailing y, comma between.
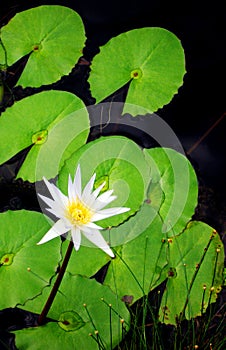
x: 78, y: 211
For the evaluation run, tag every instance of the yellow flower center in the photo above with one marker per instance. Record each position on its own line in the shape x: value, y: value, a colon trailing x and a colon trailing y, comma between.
x: 78, y: 213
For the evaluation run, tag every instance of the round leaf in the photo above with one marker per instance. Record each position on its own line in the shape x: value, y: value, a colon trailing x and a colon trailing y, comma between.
x: 139, y: 264
x: 84, y: 318
x: 54, y: 123
x: 24, y: 266
x: 53, y: 36
x: 195, y: 273
x: 151, y: 58
x: 120, y: 163
x: 88, y: 260
x: 174, y: 188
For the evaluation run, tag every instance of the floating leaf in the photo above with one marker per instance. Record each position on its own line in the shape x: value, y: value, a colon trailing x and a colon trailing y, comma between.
x: 89, y: 260
x: 195, y: 273
x: 152, y: 59
x: 139, y: 265
x: 174, y: 188
x: 53, y: 36
x: 120, y: 163
x: 54, y: 123
x: 24, y: 266
x: 84, y: 317
x: 132, y: 228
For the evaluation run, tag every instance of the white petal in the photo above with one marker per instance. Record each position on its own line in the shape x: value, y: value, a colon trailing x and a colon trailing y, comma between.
x: 57, y: 195
x: 92, y: 225
x: 71, y: 192
x: 91, y: 199
x: 88, y: 189
x: 47, y: 200
x: 101, y: 204
x: 106, y: 213
x: 55, y: 208
x: 104, y: 196
x: 76, y: 237
x: 67, y: 223
x: 98, y: 189
x: 58, y: 213
x: 86, y: 229
x: 77, y: 187
x: 96, y: 238
x: 58, y: 229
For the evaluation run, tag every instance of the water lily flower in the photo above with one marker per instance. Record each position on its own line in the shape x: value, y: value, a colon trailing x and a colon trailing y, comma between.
x: 79, y: 211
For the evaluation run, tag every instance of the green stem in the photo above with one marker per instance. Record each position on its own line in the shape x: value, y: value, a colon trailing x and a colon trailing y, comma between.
x: 56, y: 285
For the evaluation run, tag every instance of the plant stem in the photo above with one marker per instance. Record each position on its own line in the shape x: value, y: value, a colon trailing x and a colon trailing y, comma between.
x: 56, y: 285
x: 205, y: 134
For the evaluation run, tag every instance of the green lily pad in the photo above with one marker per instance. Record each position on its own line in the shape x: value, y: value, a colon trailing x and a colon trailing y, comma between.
x: 87, y: 261
x: 132, y: 228
x: 53, y: 36
x: 140, y: 263
x: 24, y: 266
x: 173, y: 190
x: 3, y: 57
x: 87, y: 313
x: 54, y: 123
x: 152, y: 59
x: 195, y: 273
x: 120, y: 163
